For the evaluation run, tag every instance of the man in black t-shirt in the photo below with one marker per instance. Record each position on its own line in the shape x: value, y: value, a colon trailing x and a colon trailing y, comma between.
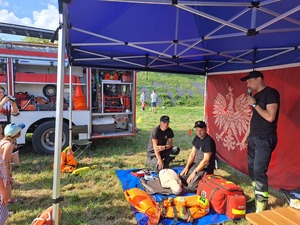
x: 261, y: 135
x: 201, y: 159
x: 160, y: 150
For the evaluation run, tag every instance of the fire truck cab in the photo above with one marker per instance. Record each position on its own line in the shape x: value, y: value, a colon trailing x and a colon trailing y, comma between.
x: 101, y: 101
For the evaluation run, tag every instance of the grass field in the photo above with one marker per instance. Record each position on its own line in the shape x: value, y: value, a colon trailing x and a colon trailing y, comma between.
x: 96, y: 197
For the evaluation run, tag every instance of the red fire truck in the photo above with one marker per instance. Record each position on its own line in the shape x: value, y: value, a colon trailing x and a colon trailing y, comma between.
x: 102, y: 102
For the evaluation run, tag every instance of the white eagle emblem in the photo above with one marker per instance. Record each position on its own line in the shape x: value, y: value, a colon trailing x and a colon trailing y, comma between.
x: 232, y: 122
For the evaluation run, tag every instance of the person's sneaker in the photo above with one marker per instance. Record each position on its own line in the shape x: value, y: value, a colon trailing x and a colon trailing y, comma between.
x: 15, y: 200
x: 260, y: 206
x: 261, y: 203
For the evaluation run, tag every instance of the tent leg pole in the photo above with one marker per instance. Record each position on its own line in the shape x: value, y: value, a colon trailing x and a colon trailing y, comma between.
x: 59, y: 111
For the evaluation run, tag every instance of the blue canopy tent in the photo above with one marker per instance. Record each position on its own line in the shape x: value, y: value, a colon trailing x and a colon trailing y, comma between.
x: 192, y: 37
x: 189, y: 37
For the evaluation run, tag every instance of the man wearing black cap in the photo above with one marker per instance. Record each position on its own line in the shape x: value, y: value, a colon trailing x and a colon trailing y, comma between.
x: 261, y: 135
x: 201, y: 159
x: 160, y: 150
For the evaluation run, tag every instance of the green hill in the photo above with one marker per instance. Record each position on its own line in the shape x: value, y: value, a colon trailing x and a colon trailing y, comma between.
x: 172, y: 89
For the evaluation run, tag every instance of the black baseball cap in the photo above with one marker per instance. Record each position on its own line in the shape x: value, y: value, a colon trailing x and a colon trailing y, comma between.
x: 253, y: 74
x: 165, y: 119
x: 200, y: 124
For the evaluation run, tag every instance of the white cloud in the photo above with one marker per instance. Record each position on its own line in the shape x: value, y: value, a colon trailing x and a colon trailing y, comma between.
x: 10, y: 17
x: 46, y: 18
x: 4, y: 3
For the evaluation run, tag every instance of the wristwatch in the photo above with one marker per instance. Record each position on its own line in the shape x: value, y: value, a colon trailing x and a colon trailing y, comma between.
x: 254, y: 105
x: 195, y: 171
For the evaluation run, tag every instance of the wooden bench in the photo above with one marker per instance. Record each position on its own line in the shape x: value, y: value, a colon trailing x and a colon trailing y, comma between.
x: 278, y: 216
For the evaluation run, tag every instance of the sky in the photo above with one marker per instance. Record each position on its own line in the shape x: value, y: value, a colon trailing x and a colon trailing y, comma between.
x: 33, y: 13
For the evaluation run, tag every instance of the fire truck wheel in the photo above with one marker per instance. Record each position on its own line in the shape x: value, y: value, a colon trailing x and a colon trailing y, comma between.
x: 44, y: 136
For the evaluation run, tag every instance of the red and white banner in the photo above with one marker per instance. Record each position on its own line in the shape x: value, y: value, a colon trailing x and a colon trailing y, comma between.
x: 227, y: 115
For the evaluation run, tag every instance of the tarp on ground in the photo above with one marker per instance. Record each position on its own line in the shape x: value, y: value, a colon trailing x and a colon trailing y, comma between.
x: 129, y: 181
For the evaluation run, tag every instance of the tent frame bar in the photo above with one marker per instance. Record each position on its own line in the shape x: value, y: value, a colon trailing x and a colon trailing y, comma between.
x: 163, y: 57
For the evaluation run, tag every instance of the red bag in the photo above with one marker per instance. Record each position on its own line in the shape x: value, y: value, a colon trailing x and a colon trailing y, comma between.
x: 224, y: 196
x: 21, y: 96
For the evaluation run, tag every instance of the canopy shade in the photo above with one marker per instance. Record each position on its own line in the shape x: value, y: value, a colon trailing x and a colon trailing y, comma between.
x: 194, y: 37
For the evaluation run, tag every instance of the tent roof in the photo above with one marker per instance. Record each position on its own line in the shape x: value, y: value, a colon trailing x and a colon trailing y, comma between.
x: 183, y: 36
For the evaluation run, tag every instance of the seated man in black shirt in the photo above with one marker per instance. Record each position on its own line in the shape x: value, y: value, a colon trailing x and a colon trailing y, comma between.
x: 160, y: 150
x: 201, y: 159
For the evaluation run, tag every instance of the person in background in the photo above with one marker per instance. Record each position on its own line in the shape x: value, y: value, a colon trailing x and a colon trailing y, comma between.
x: 11, y: 133
x: 142, y: 99
x: 261, y: 136
x: 8, y: 107
x: 201, y: 159
x: 153, y: 97
x: 161, y: 152
x: 7, y: 146
x: 4, y: 192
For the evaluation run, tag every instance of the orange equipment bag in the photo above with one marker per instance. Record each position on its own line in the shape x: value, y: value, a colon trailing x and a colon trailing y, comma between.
x: 45, y: 218
x: 126, y: 77
x: 68, y: 162
x: 21, y: 96
x: 224, y: 196
x: 144, y: 203
x: 27, y: 105
x: 41, y: 100
x: 185, y: 208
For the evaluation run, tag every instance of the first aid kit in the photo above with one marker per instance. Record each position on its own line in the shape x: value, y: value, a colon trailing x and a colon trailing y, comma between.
x: 225, y: 197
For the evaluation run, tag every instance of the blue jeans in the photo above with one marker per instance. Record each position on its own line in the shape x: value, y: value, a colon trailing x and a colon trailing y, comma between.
x: 259, y: 156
